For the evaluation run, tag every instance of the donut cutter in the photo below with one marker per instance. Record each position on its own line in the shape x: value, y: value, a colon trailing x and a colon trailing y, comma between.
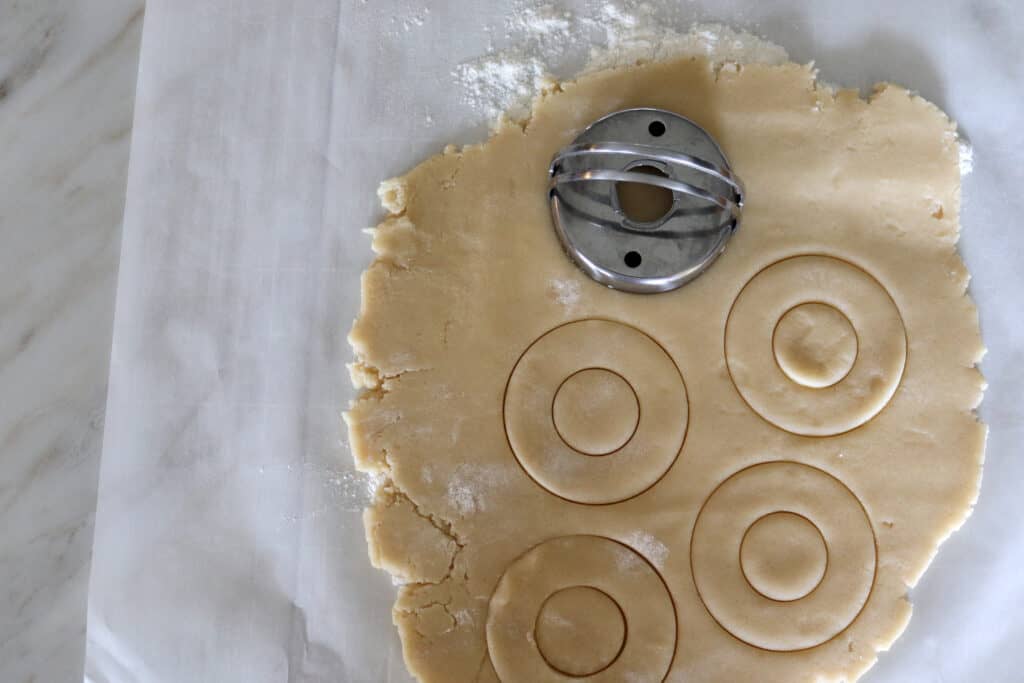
x: 650, y: 147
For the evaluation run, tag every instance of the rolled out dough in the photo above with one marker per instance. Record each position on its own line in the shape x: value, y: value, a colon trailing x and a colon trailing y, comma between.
x: 735, y: 481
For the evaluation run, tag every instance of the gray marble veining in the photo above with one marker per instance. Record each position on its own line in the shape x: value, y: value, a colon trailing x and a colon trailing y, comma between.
x: 67, y: 83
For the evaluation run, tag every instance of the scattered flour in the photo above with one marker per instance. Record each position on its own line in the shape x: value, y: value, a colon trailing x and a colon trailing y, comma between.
x: 463, y: 498
x: 543, y: 21
x: 966, y: 157
x: 634, y: 33
x: 373, y: 483
x: 345, y: 489
x: 565, y: 292
x: 408, y: 22
x: 502, y: 84
x: 471, y: 485
x: 558, y: 620
x: 647, y: 545
x: 464, y: 617
x: 546, y: 39
x: 627, y: 561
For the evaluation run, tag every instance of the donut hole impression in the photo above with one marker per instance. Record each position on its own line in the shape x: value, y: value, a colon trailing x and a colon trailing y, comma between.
x: 580, y: 631
x: 815, y: 345
x: 595, y: 411
x: 783, y: 556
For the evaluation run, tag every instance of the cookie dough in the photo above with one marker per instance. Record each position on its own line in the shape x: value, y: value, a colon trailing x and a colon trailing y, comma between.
x: 734, y: 481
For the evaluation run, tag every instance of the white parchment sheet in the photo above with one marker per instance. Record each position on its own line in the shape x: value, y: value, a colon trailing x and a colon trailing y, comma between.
x: 229, y: 545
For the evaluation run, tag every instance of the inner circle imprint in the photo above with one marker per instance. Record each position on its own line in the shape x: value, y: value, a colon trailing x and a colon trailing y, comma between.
x: 619, y: 617
x: 815, y: 345
x: 595, y: 411
x: 595, y: 388
x: 755, y: 591
x: 580, y: 630
x: 783, y: 556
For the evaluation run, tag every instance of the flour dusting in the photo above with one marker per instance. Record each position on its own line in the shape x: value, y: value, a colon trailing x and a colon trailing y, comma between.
x: 634, y: 33
x: 544, y: 21
x: 647, y: 545
x: 966, y: 157
x: 627, y: 561
x: 565, y: 292
x: 545, y: 39
x: 502, y: 84
x: 471, y: 486
x: 373, y: 482
x: 463, y: 498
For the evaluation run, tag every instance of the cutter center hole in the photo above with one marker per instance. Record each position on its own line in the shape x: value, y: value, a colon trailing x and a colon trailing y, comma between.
x: 632, y: 259
x: 642, y: 203
x: 656, y: 128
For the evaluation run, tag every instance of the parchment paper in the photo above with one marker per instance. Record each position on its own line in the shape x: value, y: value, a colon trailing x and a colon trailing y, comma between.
x: 228, y: 543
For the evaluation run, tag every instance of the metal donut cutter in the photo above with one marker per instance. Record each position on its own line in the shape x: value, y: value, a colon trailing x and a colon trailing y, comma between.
x: 651, y: 147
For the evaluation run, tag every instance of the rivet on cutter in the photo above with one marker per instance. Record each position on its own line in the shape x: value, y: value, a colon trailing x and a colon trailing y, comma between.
x: 652, y: 147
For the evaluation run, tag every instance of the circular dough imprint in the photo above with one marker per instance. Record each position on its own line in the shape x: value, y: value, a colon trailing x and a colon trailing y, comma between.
x: 551, y: 582
x: 790, y: 378
x: 790, y: 597
x: 642, y: 391
x: 783, y: 556
x: 580, y: 631
x: 815, y: 345
x: 596, y: 411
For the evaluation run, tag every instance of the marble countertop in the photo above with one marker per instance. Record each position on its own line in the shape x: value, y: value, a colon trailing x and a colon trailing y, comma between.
x: 67, y: 84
